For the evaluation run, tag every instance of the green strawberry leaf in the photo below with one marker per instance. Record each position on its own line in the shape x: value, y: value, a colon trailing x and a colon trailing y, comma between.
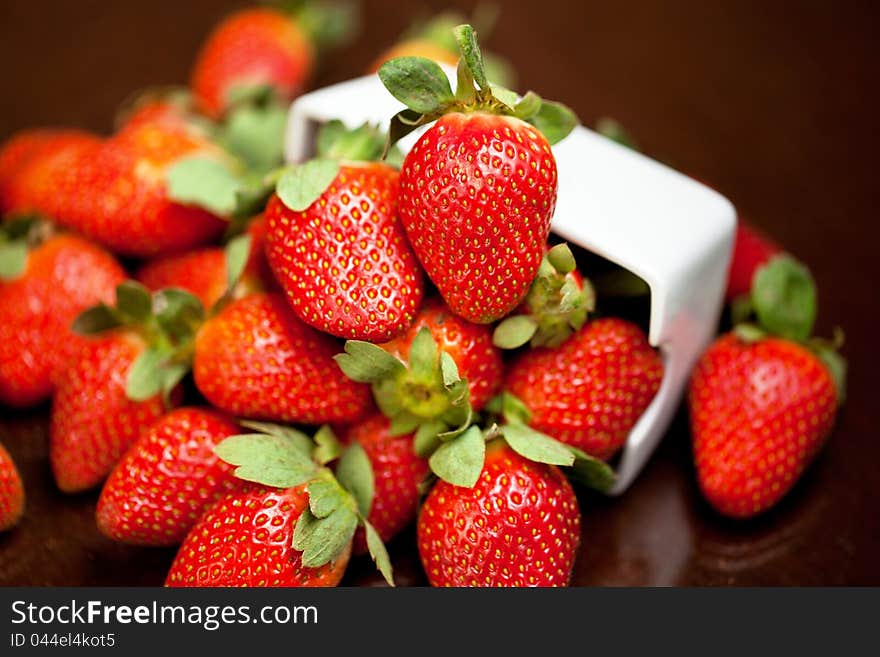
x: 536, y: 446
x: 784, y: 298
x: 328, y: 537
x: 241, y: 94
x: 513, y: 332
x: 205, y: 183
x: 134, y: 301
x: 237, y: 251
x: 363, y: 144
x: 145, y: 379
x: 378, y: 552
x: 95, y: 320
x: 301, y: 185
x: 305, y: 528
x: 526, y: 108
x: 423, y: 356
x: 355, y: 474
x: 509, y: 98
x: 562, y: 259
x: 13, y: 259
x: 403, y: 123
x: 179, y: 313
x: 297, y: 439
x: 403, y: 423
x: 464, y: 88
x: 460, y: 460
x: 327, y: 447
x: 269, y: 460
x: 427, y: 437
x: 329, y: 134
x: 610, y: 128
x: 172, y: 374
x: 554, y: 120
x: 592, y: 472
x: 255, y: 134
x: 325, y: 494
x: 365, y: 362
x: 417, y: 82
x: 449, y: 369
x: 466, y: 38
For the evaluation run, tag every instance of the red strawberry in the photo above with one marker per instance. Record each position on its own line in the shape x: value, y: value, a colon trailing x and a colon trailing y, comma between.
x: 256, y: 359
x: 518, y: 526
x: 760, y: 412
x: 250, y: 48
x: 62, y: 277
x: 93, y: 422
x: 590, y: 391
x: 397, y: 473
x: 19, y: 150
x: 751, y: 250
x: 478, y: 189
x: 470, y: 345
x: 246, y: 539
x: 342, y: 257
x: 11, y: 492
x: 166, y: 479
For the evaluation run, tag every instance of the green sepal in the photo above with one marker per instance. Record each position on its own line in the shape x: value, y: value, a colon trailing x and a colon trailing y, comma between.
x: 403, y: 423
x: 561, y: 258
x: 13, y: 259
x: 591, y: 472
x: 301, y: 185
x: 466, y: 38
x: 355, y: 474
x: 784, y: 298
x: 205, y: 183
x: 449, y: 370
x: 554, y: 120
x: 427, y: 437
x: 254, y: 132
x: 325, y: 494
x: 323, y: 540
x: 296, y: 438
x: 749, y: 333
x: 515, y: 331
x: 237, y: 253
x: 537, y: 446
x: 613, y: 130
x: 134, y: 301
x: 363, y: 144
x: 827, y: 352
x: 417, y: 82
x: 271, y: 460
x: 379, y: 553
x: 423, y: 355
x: 178, y: 313
x: 460, y: 461
x: 145, y: 376
x: 96, y: 319
x: 328, y: 23
x: 365, y: 362
x: 327, y: 446
x: 509, y: 407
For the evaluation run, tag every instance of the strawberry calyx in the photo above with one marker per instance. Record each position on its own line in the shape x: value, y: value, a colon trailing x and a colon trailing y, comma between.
x: 327, y: 23
x: 166, y: 320
x: 556, y: 305
x: 423, y: 87
x: 18, y: 236
x: 783, y: 303
x: 283, y: 457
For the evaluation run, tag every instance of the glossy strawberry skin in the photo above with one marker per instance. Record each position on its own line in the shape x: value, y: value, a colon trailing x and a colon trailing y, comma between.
x: 92, y: 422
x: 759, y: 414
x: 751, y: 250
x: 345, y: 263
x: 246, y: 539
x: 62, y: 277
x: 255, y: 359
x: 518, y: 526
x: 470, y: 345
x: 477, y: 193
x: 251, y: 47
x: 591, y: 390
x: 11, y: 492
x: 397, y: 473
x: 167, y: 479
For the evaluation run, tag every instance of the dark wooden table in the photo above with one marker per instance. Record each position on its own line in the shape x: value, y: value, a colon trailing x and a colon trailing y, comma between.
x: 774, y: 105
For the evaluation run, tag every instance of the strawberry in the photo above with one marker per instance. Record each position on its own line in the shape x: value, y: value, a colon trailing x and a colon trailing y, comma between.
x: 478, y: 189
x: 519, y: 525
x: 256, y: 359
x: 336, y: 245
x: 591, y: 390
x: 293, y: 525
x: 58, y: 279
x: 166, y: 479
x: 556, y: 305
x: 397, y: 472
x: 751, y: 250
x: 204, y: 272
x: 763, y: 398
x: 11, y: 492
x: 19, y: 150
x: 120, y: 382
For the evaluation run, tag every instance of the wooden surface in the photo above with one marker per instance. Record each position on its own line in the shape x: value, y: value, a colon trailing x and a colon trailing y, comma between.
x: 774, y: 105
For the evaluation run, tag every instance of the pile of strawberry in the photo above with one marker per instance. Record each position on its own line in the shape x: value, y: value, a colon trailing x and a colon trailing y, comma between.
x: 309, y: 358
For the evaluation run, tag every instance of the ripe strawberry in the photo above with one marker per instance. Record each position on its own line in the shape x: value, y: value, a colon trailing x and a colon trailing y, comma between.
x: 397, y: 473
x: 250, y: 48
x: 518, y: 526
x: 256, y: 359
x: 751, y: 250
x: 590, y: 391
x: 167, y: 478
x: 11, y: 492
x: 338, y: 249
x: 92, y: 421
x: 203, y: 272
x: 478, y: 189
x: 763, y: 398
x: 246, y: 539
x: 61, y: 277
x: 470, y: 345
